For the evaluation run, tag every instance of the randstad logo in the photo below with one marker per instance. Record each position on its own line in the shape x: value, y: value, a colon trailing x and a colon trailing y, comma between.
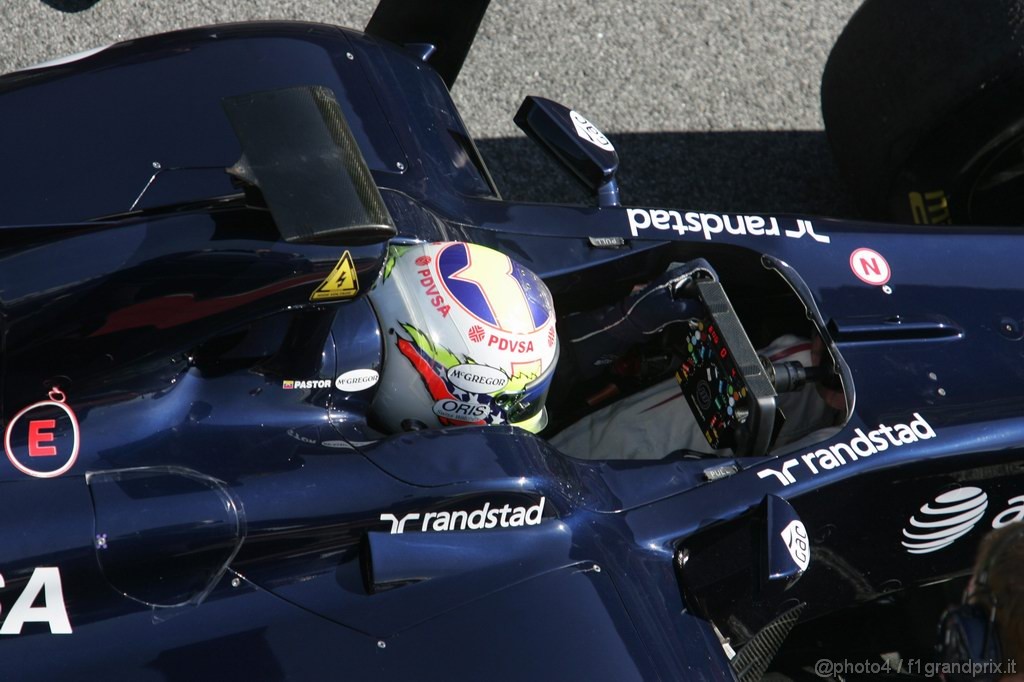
x: 710, y: 224
x: 861, y: 445
x: 506, y: 516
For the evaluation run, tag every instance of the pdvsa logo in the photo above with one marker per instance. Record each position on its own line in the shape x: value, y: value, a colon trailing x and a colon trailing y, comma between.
x: 42, y: 439
x: 41, y: 601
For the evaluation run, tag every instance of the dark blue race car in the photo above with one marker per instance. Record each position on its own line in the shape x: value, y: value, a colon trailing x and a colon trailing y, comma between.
x: 198, y: 484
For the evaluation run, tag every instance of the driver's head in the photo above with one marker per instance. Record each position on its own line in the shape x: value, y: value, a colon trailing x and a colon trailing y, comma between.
x: 997, y: 586
x: 469, y: 338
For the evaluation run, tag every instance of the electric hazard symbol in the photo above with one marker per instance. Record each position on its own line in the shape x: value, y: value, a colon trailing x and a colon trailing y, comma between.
x: 340, y: 284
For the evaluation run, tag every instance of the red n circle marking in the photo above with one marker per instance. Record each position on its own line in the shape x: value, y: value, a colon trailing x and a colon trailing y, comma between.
x: 869, y: 266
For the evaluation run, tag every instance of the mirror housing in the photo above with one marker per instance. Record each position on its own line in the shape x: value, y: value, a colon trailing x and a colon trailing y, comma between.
x: 787, y: 548
x: 575, y: 143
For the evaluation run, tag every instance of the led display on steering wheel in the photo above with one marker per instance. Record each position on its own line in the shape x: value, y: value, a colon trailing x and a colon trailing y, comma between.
x: 723, y: 380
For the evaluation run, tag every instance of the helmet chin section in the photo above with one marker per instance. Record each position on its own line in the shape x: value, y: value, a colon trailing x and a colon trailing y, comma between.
x: 534, y: 424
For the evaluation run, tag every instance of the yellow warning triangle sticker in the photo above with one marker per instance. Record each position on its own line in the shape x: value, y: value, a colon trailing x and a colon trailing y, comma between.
x: 340, y: 284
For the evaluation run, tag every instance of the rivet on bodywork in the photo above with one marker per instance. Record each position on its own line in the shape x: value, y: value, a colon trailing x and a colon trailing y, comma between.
x: 1011, y: 328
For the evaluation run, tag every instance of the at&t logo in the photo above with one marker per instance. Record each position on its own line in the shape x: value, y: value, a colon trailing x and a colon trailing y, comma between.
x: 952, y: 515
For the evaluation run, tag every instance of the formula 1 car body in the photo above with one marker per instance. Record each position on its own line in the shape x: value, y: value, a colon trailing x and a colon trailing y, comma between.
x: 192, y: 488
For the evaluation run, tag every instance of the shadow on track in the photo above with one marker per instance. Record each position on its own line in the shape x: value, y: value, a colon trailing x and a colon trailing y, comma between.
x: 70, y: 6
x: 758, y: 171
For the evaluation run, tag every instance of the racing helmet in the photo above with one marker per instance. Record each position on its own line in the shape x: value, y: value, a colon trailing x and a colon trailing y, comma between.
x: 469, y: 338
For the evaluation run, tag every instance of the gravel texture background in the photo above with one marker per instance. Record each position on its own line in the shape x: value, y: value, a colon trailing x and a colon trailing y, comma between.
x: 711, y: 106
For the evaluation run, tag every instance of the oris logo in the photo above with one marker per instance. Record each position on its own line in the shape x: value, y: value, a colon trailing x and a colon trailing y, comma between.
x: 949, y: 516
x: 449, y: 408
x: 477, y: 378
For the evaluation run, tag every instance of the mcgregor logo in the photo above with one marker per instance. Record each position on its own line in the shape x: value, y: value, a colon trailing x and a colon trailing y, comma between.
x: 357, y: 380
x: 477, y: 378
x: 949, y: 516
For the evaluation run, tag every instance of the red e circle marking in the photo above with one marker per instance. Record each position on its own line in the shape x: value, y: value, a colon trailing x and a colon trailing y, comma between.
x: 870, y: 267
x: 41, y: 438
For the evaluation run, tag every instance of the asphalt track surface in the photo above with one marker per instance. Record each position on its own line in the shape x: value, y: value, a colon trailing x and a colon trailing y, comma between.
x: 711, y: 105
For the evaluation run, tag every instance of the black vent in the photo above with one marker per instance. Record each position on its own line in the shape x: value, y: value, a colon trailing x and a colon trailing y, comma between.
x: 756, y: 655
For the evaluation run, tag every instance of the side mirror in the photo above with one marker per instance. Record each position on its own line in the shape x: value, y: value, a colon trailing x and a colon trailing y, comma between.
x: 788, y: 548
x: 575, y: 143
